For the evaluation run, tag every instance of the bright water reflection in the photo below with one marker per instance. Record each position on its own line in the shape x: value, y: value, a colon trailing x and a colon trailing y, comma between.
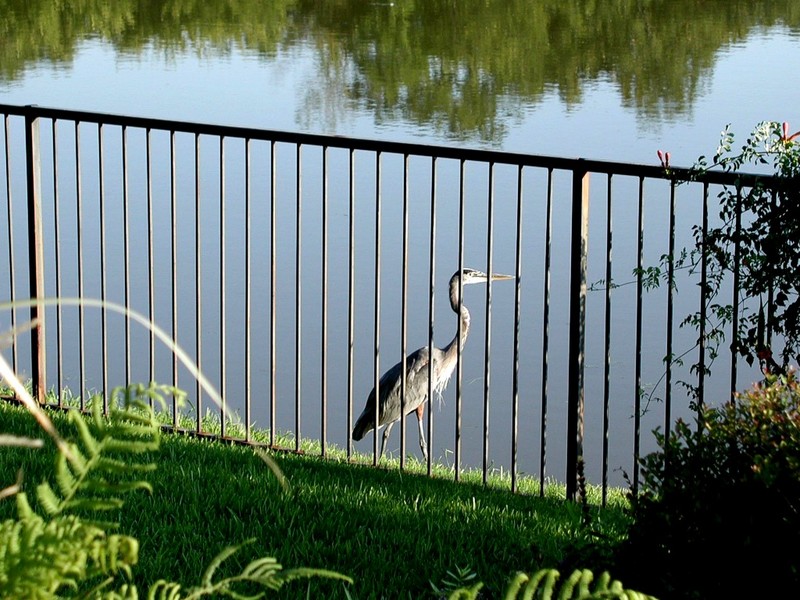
x: 547, y: 77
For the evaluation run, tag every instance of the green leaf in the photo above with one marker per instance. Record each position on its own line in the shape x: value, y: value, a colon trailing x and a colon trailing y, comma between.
x: 515, y: 585
x: 85, y: 434
x: 226, y: 553
x: 94, y: 503
x: 50, y: 502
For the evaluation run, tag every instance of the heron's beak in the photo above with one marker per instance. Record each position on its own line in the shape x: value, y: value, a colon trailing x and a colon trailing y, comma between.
x: 499, y: 276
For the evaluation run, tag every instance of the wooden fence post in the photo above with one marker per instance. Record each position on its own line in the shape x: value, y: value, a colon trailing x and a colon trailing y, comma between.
x: 579, y: 240
x: 35, y: 254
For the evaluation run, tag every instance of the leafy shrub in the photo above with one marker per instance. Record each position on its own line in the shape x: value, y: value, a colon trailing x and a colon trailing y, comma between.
x: 753, y: 243
x: 68, y: 551
x: 756, y: 241
x: 718, y: 513
x: 545, y: 584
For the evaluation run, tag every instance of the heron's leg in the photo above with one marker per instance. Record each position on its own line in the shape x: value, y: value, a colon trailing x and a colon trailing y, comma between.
x: 385, y: 437
x: 423, y: 445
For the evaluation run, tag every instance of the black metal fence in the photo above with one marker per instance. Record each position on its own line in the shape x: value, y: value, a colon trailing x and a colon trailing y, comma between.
x: 295, y: 269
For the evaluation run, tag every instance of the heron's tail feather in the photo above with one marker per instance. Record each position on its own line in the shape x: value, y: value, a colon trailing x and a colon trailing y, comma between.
x: 364, y: 424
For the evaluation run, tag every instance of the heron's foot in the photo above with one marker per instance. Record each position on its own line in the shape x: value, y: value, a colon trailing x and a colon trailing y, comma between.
x: 384, y: 439
x: 424, y: 447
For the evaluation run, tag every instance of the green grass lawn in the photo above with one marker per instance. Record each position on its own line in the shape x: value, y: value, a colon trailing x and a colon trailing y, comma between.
x: 393, y: 532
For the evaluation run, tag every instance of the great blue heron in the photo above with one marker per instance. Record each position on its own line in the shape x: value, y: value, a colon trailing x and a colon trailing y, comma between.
x: 416, y: 388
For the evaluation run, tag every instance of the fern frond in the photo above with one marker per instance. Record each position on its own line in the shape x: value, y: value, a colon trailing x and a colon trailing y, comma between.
x: 262, y: 567
x: 264, y: 572
x: 84, y: 433
x: 114, y: 465
x: 533, y: 584
x: 550, y: 577
x: 102, y: 486
x: 137, y: 414
x: 40, y: 557
x: 225, y: 554
x: 604, y: 581
x: 48, y: 499
x: 94, y: 503
x: 125, y: 592
x: 96, y: 471
x: 470, y: 593
x: 64, y: 474
x: 164, y: 590
x: 543, y: 584
x: 515, y: 585
x: 569, y: 585
x: 115, y: 553
x: 130, y: 446
x: 24, y: 510
x: 305, y: 573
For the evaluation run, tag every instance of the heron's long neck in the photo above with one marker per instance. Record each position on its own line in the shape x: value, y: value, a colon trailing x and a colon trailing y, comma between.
x: 452, y: 348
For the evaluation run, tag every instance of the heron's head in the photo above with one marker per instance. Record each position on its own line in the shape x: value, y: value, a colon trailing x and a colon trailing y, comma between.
x: 470, y: 276
x: 474, y: 276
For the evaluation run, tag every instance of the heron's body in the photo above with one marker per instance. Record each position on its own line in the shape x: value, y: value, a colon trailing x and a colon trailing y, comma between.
x: 417, y: 367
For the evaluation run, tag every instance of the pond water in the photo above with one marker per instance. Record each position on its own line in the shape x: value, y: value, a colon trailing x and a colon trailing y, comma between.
x: 615, y: 80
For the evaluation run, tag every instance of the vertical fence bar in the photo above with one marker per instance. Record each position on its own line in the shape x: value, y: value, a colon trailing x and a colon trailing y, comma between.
x: 173, y: 217
x: 548, y: 242
x: 272, y: 291
x: 298, y: 290
x: 431, y: 312
x: 10, y: 223
x: 198, y: 283
x: 488, y: 331
x: 150, y: 253
x: 736, y: 281
x: 607, y: 338
x: 459, y: 366
x: 670, y: 314
x: 517, y: 319
x: 126, y: 249
x: 351, y: 236
x: 222, y: 280
x: 637, y: 401
x: 79, y: 240
x: 771, y: 290
x: 57, y: 244
x: 376, y: 359
x: 36, y: 255
x: 103, y: 263
x: 247, y: 293
x: 404, y: 317
x: 701, y: 340
x: 324, y: 316
x: 577, y: 326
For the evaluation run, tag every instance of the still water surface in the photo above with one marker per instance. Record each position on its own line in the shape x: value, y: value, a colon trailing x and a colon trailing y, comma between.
x: 615, y: 80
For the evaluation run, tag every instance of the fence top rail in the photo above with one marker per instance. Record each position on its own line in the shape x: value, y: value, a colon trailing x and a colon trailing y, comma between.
x: 581, y: 165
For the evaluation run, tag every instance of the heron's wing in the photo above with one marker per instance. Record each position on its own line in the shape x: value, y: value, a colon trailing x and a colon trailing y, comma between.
x: 416, y: 386
x: 390, y: 389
